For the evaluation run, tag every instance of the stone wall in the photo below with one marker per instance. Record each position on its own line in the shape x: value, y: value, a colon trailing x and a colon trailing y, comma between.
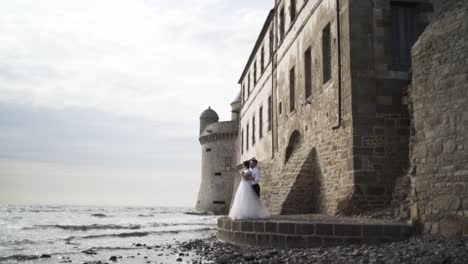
x: 379, y: 100
x: 219, y: 146
x: 309, y: 164
x: 292, y: 186
x: 439, y: 141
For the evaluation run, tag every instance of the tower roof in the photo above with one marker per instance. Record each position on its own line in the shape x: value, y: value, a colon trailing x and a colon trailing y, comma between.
x: 209, y: 114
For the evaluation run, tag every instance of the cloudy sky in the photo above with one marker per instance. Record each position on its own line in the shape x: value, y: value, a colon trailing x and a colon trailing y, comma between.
x: 100, y: 99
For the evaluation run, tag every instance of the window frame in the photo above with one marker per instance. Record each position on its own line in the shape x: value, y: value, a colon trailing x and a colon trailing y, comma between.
x: 292, y: 89
x: 308, y: 74
x: 326, y: 53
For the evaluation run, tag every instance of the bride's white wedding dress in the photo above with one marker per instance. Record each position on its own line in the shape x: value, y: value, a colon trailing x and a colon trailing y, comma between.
x: 246, y: 203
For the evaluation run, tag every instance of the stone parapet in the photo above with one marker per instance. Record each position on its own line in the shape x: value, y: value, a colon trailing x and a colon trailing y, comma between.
x: 310, y: 231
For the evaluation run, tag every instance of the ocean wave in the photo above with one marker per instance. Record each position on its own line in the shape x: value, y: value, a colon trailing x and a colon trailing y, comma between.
x: 23, y: 257
x: 18, y: 242
x: 99, y: 215
x: 183, y: 224
x: 111, y: 248
x: 129, y: 234
x: 147, y: 215
x: 139, y: 234
x: 198, y: 213
x: 89, y: 227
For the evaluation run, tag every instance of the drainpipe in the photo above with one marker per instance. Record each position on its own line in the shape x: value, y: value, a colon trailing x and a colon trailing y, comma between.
x: 338, y: 30
x: 273, y: 76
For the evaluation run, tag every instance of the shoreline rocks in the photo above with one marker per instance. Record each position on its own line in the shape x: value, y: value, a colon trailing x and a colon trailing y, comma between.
x: 417, y: 250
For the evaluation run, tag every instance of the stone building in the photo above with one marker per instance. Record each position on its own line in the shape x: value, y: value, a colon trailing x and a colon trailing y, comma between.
x: 324, y: 102
x: 219, y: 153
x: 439, y: 126
x: 326, y: 111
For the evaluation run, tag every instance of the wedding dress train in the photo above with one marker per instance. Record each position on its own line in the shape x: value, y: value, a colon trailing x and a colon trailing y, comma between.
x: 247, y: 204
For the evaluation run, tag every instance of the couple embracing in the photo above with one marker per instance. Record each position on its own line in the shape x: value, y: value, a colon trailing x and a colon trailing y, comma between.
x: 247, y: 203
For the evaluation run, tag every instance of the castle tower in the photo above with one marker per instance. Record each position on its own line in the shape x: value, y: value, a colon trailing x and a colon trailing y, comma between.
x: 207, y: 117
x: 236, y: 107
x: 219, y: 145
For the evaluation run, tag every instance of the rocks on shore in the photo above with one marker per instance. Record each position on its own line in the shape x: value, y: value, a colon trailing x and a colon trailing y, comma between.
x: 420, y: 250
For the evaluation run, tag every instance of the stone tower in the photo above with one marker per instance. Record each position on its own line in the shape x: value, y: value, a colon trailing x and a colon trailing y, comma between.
x: 219, y: 157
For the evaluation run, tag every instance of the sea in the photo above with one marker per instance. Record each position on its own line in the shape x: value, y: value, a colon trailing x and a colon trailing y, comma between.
x: 79, y: 234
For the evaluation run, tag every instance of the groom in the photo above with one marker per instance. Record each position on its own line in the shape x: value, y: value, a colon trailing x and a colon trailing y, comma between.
x: 255, y: 178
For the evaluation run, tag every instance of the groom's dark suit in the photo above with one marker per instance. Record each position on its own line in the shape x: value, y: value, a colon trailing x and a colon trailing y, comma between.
x: 256, y: 178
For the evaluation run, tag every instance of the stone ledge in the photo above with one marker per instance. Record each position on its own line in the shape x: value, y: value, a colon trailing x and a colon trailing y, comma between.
x: 318, y: 231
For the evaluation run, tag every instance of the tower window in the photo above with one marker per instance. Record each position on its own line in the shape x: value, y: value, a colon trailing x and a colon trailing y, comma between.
x: 255, y: 73
x: 248, y: 84
x: 282, y: 24
x: 280, y: 108
x: 262, y: 59
x: 247, y: 138
x: 243, y: 93
x: 403, y: 35
x: 219, y: 202
x: 326, y: 53
x: 308, y: 72
x: 217, y: 174
x: 270, y: 112
x: 253, y: 130
x: 293, y: 10
x: 227, y: 164
x: 292, y: 90
x: 242, y: 141
x: 260, y: 122
x: 272, y: 39
x: 208, y: 150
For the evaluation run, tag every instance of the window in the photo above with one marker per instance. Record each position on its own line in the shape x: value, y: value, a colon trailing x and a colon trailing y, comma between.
x: 253, y: 130
x: 243, y: 93
x: 280, y: 108
x: 255, y: 73
x: 272, y: 39
x: 262, y: 60
x: 247, y: 138
x: 403, y: 35
x: 242, y: 141
x: 282, y: 24
x: 219, y: 202
x: 248, y: 84
x: 292, y: 92
x: 208, y: 150
x: 260, y: 122
x: 227, y: 164
x: 308, y: 72
x: 270, y: 112
x: 326, y: 53
x: 217, y: 174
x: 293, y: 10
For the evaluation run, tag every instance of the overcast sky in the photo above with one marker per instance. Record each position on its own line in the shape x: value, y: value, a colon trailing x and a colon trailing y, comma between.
x: 100, y: 99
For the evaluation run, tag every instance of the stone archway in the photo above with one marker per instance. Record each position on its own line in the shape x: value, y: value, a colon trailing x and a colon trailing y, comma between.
x: 293, y: 144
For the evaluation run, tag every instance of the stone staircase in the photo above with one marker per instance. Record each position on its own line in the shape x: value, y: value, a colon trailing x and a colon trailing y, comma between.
x: 296, y: 190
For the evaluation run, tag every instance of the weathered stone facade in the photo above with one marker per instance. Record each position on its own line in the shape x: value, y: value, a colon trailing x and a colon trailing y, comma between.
x: 439, y: 141
x: 326, y: 110
x: 302, y: 146
x: 338, y: 95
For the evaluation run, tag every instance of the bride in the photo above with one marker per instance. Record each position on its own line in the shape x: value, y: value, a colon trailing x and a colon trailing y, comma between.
x: 246, y: 203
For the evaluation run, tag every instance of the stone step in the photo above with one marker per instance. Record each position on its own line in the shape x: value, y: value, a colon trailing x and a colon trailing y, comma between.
x: 303, y: 231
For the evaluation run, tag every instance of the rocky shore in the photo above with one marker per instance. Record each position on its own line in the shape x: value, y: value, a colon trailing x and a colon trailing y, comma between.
x: 417, y: 250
